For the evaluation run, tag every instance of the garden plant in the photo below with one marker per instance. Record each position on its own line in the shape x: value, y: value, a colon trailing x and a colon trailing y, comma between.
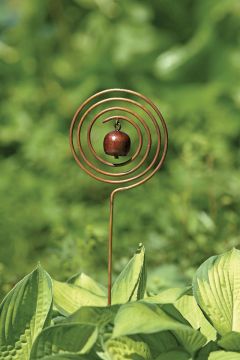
x: 42, y: 318
x: 185, y: 57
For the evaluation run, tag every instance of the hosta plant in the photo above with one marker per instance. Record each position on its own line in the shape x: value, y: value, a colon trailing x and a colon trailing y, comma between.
x: 44, y: 319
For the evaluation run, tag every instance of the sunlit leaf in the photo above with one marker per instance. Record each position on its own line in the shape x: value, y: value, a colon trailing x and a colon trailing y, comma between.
x: 168, y: 296
x: 86, y: 282
x: 98, y: 316
x: 126, y: 348
x: 189, y: 309
x: 190, y: 339
x: 68, y: 298
x: 151, y: 318
x: 224, y: 355
x: 216, y: 288
x: 23, y: 314
x: 130, y: 284
x: 70, y: 338
x: 67, y: 357
x: 148, y: 318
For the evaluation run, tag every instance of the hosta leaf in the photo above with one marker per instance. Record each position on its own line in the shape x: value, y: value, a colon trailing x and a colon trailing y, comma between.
x: 230, y: 341
x: 216, y: 288
x: 150, y: 318
x: 88, y: 283
x: 146, y: 318
x: 206, y: 350
x: 174, y: 355
x: 67, y: 357
x: 70, y: 338
x: 186, y: 305
x: 189, y: 309
x: 190, y: 339
x: 23, y: 314
x: 131, y: 283
x: 224, y: 355
x: 98, y: 316
x: 167, y: 296
x: 160, y: 342
x: 68, y: 298
x: 126, y: 348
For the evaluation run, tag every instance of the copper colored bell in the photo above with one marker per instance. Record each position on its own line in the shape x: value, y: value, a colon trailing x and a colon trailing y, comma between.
x: 117, y: 143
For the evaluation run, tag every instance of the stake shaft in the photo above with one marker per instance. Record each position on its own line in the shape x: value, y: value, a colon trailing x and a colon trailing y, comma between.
x: 110, y: 237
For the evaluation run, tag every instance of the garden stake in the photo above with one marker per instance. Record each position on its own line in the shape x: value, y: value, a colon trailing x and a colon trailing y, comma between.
x: 117, y: 144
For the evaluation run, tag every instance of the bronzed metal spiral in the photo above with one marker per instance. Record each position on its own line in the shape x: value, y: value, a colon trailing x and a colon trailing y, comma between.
x: 126, y: 107
x: 152, y: 113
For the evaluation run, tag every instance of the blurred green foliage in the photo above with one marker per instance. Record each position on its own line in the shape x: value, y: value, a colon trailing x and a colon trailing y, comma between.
x: 185, y: 56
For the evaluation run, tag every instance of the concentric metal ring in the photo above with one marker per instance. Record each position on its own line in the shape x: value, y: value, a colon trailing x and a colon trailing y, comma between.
x: 144, y: 116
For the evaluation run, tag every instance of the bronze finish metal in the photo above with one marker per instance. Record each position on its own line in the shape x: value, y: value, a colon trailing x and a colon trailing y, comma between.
x: 116, y: 143
x: 123, y: 178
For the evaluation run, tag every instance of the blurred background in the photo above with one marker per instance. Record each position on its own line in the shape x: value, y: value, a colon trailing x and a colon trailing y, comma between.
x: 185, y: 56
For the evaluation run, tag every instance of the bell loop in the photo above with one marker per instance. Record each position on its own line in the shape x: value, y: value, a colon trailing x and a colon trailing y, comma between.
x: 117, y: 125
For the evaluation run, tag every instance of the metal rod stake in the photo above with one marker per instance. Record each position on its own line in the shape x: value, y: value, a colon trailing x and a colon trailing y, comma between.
x: 142, y: 112
x: 110, y: 238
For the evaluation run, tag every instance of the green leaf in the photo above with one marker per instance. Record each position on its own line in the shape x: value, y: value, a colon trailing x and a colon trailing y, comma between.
x: 68, y: 298
x: 216, y: 288
x: 186, y: 305
x: 167, y: 296
x: 70, y: 338
x: 131, y: 283
x: 174, y: 355
x: 191, y: 340
x: 99, y: 316
x: 126, y: 348
x: 67, y: 357
x: 86, y: 282
x: 148, y: 318
x: 160, y: 342
x: 189, y: 309
x: 224, y: 355
x: 230, y: 341
x: 206, y: 350
x: 24, y: 313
